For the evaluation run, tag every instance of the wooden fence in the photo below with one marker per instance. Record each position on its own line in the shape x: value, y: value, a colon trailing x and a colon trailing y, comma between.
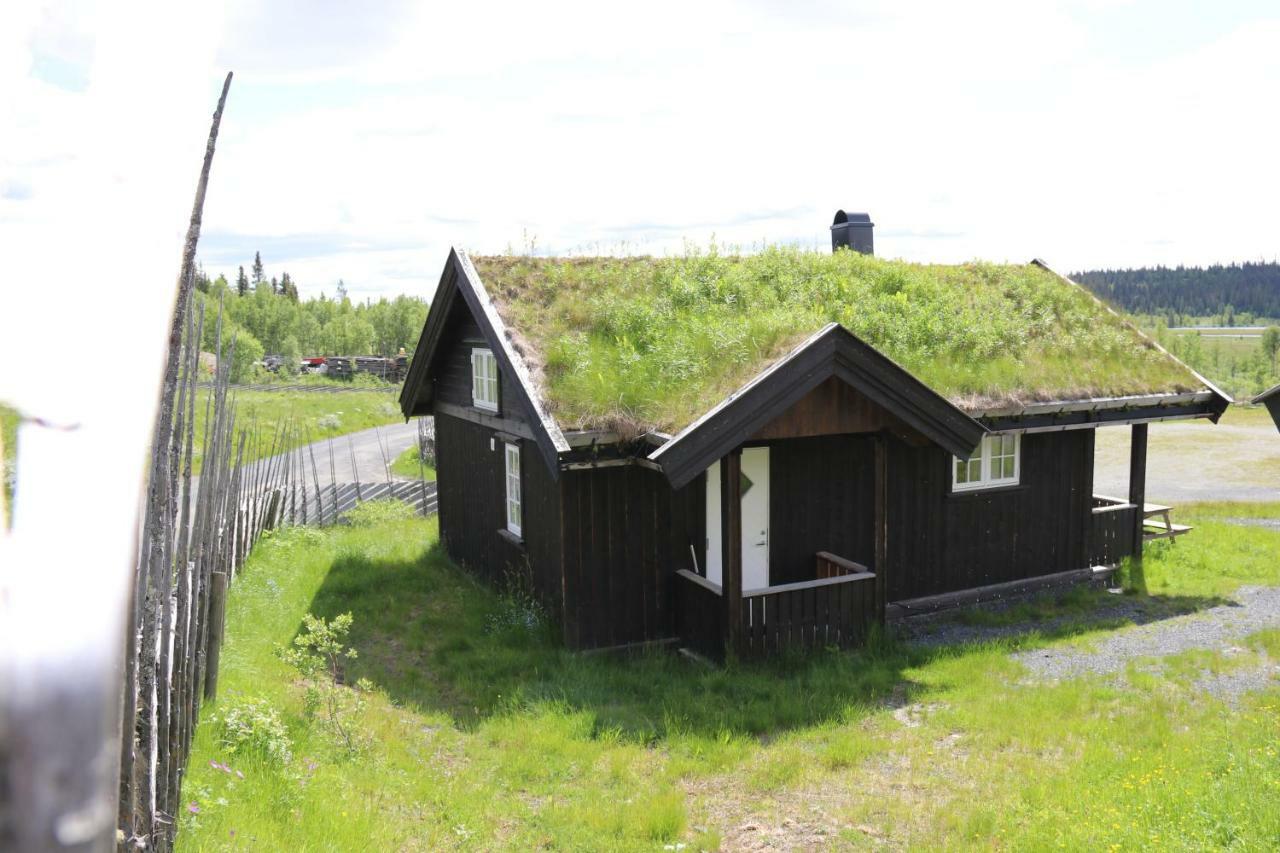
x: 833, y: 611
x: 1111, y: 531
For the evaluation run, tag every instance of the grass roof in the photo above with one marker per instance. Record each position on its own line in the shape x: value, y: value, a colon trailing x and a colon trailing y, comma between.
x: 651, y: 343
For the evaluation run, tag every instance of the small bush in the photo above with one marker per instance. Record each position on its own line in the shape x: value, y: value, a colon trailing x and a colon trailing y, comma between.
x: 318, y: 656
x: 331, y: 421
x: 254, y: 727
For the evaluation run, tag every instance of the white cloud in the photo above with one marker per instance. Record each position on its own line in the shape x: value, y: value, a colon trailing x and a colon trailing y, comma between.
x: 360, y: 145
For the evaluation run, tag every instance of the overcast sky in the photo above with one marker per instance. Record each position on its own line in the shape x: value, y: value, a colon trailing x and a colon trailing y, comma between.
x: 361, y: 140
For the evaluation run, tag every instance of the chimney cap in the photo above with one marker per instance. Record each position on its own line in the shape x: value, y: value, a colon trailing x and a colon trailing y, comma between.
x: 843, y: 218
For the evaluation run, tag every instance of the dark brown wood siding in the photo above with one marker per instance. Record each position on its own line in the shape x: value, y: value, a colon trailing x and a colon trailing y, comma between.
x: 942, y: 542
x: 834, y: 408
x: 472, y: 495
x: 452, y: 376
x: 625, y: 534
x: 820, y: 499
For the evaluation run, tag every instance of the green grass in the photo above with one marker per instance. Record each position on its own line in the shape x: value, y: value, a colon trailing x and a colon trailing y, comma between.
x: 9, y: 433
x: 487, y: 735
x: 317, y: 416
x: 652, y: 342
x: 407, y: 465
x: 1238, y: 365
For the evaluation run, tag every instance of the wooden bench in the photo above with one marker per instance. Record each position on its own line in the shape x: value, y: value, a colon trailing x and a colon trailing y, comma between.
x: 1162, y: 528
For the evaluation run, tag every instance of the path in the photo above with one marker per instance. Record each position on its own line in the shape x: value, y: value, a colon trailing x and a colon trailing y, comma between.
x: 364, y: 446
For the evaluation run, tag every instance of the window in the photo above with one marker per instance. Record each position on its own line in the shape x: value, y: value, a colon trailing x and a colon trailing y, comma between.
x: 994, y: 463
x: 513, y: 488
x: 484, y: 380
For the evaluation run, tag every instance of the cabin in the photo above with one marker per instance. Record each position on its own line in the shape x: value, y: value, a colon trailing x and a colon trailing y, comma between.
x: 1271, y: 399
x: 747, y: 454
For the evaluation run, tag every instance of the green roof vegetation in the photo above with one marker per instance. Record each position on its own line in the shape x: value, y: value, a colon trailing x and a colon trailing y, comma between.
x: 652, y: 343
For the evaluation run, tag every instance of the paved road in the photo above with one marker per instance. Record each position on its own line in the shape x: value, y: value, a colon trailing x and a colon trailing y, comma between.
x: 366, y: 447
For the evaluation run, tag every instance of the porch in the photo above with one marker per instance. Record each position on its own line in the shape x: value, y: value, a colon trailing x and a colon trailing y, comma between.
x: 822, y: 600
x: 834, y: 609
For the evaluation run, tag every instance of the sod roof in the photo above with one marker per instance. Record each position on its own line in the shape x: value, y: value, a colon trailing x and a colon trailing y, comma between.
x: 644, y: 343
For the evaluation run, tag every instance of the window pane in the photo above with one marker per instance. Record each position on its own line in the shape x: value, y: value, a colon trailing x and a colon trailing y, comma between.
x: 962, y: 471
x: 1008, y: 467
x: 975, y: 470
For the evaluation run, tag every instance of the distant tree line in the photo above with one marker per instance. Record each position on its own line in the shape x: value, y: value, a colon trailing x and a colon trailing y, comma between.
x: 266, y: 316
x: 1235, y: 294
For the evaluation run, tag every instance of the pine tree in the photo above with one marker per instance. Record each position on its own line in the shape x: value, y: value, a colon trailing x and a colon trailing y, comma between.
x: 275, y: 288
x: 242, y: 283
x: 258, y: 276
x: 342, y: 290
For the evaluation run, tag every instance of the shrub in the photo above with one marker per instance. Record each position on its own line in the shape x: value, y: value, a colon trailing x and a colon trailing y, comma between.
x: 253, y: 726
x: 318, y: 656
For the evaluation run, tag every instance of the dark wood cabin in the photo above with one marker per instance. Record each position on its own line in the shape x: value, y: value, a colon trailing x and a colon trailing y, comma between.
x: 832, y: 490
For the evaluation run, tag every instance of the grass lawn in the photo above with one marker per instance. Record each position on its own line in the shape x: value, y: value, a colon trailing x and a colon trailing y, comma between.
x: 317, y: 416
x: 407, y: 465
x: 484, y: 733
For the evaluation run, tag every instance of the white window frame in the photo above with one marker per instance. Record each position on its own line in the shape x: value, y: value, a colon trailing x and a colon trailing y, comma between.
x: 987, y: 458
x: 484, y: 379
x: 514, y: 503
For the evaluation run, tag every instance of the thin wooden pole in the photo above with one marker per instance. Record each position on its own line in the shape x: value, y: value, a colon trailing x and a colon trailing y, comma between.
x: 1138, y: 485
x: 881, y: 511
x: 731, y: 546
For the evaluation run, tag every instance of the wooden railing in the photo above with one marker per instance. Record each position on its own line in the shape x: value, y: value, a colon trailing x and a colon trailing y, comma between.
x: 1111, y: 530
x: 700, y: 614
x: 830, y: 611
x: 833, y: 611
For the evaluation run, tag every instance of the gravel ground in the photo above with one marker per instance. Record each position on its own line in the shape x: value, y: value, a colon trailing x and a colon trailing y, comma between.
x: 1221, y: 628
x: 1154, y: 631
x: 943, y: 629
x: 1268, y: 523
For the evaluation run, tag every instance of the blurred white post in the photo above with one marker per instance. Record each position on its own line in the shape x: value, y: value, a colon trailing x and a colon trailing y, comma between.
x: 91, y: 258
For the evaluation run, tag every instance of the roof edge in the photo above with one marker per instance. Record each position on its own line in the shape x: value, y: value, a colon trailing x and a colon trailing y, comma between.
x: 831, y: 351
x: 1040, y: 262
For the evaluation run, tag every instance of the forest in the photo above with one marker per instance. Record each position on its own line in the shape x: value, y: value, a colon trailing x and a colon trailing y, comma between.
x: 267, y: 316
x: 1230, y: 295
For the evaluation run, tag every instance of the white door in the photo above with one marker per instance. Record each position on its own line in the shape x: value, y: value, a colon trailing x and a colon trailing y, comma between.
x: 755, y: 520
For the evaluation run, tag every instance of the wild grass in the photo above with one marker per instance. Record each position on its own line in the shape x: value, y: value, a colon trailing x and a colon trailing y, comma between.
x: 653, y: 342
x: 9, y: 433
x: 486, y: 734
x: 316, y: 416
x: 407, y: 465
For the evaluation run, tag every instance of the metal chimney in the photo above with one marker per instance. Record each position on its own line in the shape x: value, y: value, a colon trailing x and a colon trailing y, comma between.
x: 852, y: 231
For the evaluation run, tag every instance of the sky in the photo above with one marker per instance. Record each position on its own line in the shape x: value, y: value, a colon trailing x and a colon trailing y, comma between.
x: 362, y: 140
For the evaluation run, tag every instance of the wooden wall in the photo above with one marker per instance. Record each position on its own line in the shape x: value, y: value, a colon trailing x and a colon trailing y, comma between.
x: 625, y: 534
x: 942, y: 542
x: 472, y: 495
x: 831, y: 409
x: 820, y: 499
x: 453, y: 375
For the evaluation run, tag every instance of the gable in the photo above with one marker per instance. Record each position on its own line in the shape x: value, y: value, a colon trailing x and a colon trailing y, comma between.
x: 833, y: 407
x: 833, y: 353
x: 460, y: 311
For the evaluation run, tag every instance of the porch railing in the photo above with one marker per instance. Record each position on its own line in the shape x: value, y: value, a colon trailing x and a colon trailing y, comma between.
x: 1111, y: 530
x: 831, y: 611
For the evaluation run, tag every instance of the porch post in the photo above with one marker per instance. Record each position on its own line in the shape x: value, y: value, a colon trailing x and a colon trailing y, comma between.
x: 881, y: 521
x: 1138, y: 483
x: 731, y: 545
